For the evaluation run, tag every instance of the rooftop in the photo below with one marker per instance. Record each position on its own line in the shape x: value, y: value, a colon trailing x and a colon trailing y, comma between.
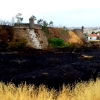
x: 94, y: 35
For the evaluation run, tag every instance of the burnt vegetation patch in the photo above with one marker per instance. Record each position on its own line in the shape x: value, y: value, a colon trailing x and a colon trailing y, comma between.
x: 49, y: 67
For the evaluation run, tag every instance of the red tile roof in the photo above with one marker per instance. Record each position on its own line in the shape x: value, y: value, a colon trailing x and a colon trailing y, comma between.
x: 94, y: 35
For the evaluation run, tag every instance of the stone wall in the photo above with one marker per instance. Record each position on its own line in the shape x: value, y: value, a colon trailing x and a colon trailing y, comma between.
x: 24, y: 33
x: 27, y: 25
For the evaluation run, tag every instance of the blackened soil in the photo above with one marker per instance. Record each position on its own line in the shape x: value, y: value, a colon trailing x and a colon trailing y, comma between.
x: 52, y: 68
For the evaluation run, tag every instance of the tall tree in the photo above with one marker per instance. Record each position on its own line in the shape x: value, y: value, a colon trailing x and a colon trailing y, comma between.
x: 45, y: 24
x: 19, y: 18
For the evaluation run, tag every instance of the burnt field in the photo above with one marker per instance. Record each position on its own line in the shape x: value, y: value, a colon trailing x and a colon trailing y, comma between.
x: 52, y: 68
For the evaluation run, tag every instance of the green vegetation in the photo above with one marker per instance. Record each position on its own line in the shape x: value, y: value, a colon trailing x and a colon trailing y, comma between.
x: 17, y: 45
x: 69, y: 45
x: 44, y: 26
x: 59, y: 43
x: 56, y: 42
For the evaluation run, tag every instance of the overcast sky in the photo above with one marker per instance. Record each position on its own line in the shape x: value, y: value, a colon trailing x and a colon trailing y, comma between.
x: 69, y: 13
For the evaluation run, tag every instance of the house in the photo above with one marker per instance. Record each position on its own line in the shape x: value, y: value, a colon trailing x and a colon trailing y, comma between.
x: 94, y: 36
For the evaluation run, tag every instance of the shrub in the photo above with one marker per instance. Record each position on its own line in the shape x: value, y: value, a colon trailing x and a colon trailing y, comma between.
x: 17, y: 45
x: 56, y: 42
x: 68, y: 45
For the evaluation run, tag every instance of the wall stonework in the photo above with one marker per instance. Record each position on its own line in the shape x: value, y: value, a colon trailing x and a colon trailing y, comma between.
x: 27, y: 26
x: 32, y: 32
x: 24, y: 33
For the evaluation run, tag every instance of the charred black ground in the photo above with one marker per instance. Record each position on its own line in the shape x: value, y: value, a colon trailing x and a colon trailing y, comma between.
x: 52, y: 68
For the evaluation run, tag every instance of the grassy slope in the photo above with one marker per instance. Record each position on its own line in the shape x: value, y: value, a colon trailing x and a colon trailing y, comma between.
x: 74, y: 39
x: 67, y: 36
x: 82, y: 91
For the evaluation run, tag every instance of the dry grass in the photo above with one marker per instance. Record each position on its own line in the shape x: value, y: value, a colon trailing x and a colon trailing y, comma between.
x: 58, y: 33
x: 74, y: 39
x: 82, y: 91
x: 67, y: 37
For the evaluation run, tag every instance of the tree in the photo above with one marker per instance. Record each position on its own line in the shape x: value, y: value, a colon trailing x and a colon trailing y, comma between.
x: 64, y: 27
x: 19, y: 18
x: 51, y: 23
x: 93, y: 32
x: 40, y: 21
x: 45, y: 24
x: 3, y: 22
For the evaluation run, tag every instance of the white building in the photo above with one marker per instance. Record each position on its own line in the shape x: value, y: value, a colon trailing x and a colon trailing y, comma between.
x: 94, y: 37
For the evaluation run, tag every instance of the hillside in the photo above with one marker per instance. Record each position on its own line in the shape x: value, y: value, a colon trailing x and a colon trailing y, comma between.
x: 74, y: 39
x: 7, y: 33
x: 39, y: 35
x: 67, y: 36
x: 44, y: 35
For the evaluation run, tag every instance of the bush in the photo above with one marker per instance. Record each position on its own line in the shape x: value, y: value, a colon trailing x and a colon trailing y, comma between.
x: 17, y: 45
x: 68, y: 45
x: 56, y: 42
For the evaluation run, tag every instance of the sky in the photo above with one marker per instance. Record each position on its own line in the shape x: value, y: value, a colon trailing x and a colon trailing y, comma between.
x: 69, y: 13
